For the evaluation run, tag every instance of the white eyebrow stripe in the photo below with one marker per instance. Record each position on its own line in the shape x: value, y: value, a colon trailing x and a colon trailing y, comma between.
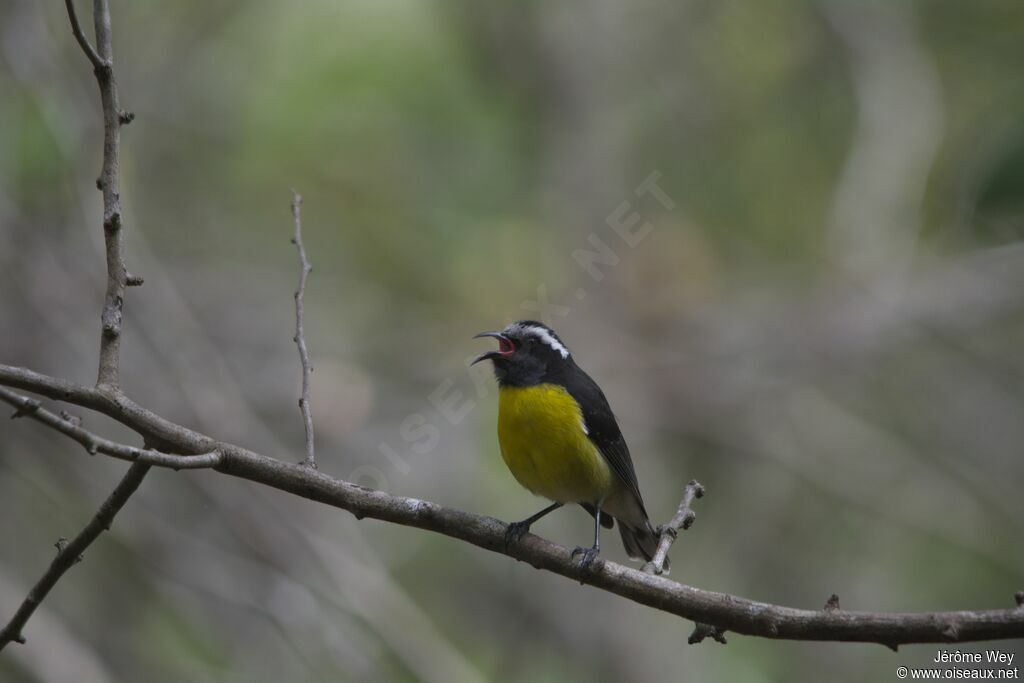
x: 548, y: 338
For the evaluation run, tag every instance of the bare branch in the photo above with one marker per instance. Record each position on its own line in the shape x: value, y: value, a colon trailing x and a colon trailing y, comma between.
x: 110, y: 335
x: 76, y: 28
x: 70, y: 553
x: 102, y: 59
x: 300, y: 332
x: 725, y: 612
x: 29, y: 407
x: 669, y: 532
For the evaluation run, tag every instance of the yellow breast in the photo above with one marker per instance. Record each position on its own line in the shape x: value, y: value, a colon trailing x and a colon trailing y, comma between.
x: 545, y: 445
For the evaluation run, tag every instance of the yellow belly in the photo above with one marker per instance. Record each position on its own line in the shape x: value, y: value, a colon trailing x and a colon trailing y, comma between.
x: 543, y: 442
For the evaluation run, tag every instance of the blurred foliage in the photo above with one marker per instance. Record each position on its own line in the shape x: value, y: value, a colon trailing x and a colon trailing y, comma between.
x: 825, y: 329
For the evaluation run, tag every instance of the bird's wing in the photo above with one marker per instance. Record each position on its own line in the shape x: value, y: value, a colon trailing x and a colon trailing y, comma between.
x: 603, y: 430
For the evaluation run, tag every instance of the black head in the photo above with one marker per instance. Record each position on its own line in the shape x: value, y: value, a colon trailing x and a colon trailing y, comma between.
x: 528, y: 353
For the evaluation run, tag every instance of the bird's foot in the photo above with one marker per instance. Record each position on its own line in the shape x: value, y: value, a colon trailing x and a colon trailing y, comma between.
x: 515, y: 531
x: 588, y: 556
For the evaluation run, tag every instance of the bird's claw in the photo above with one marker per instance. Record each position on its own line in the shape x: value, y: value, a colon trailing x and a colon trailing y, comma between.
x: 588, y: 556
x: 514, y: 532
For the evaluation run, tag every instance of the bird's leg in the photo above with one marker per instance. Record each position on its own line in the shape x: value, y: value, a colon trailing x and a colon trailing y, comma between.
x: 516, y: 530
x: 590, y: 554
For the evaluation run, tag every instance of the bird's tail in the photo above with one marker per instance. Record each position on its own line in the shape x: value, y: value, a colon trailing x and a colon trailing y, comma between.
x: 641, y: 542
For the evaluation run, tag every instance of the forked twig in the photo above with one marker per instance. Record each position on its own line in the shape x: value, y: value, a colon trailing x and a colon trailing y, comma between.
x: 669, y: 532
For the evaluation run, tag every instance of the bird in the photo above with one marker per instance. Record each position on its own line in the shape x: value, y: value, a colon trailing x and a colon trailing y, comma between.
x: 561, y: 441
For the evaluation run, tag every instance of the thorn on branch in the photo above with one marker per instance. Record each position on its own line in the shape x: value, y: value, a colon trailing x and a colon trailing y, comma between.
x: 702, y: 631
x: 833, y: 603
x: 131, y: 280
x: 27, y: 407
x: 1019, y: 597
x: 125, y: 117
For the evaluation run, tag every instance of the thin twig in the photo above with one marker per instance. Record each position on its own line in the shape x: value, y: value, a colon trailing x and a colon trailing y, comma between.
x: 108, y: 402
x: 76, y: 28
x: 70, y: 553
x: 682, y: 520
x: 102, y: 59
x: 300, y: 330
x: 29, y: 407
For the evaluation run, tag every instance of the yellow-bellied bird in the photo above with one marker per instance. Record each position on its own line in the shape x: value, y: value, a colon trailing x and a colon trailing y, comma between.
x: 560, y: 439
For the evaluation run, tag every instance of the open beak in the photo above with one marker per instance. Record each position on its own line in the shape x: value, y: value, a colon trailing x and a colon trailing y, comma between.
x: 505, y: 347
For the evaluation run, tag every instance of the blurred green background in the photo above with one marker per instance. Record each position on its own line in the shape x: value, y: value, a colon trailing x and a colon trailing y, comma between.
x: 825, y: 328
